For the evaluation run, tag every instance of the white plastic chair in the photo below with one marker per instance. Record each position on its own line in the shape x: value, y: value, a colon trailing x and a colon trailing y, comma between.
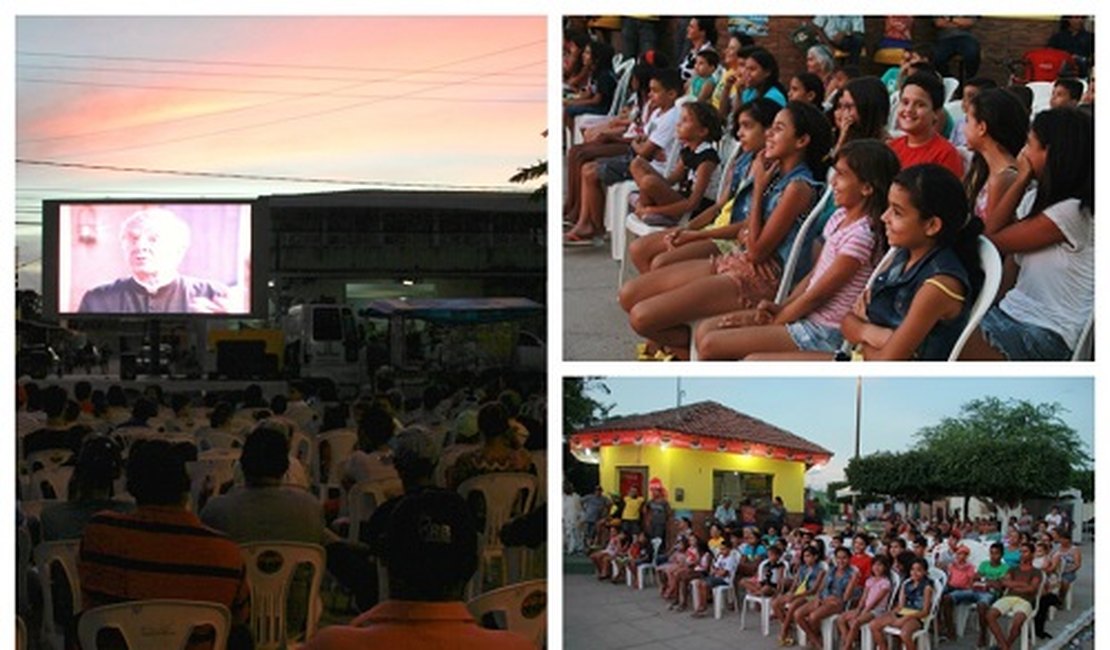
x: 764, y: 602
x: 991, y: 263
x: 922, y: 638
x: 799, y: 248
x: 270, y: 570
x: 645, y: 570
x: 955, y: 108
x: 47, y: 458
x: 364, y: 499
x: 210, y: 476
x: 215, y: 439
x: 1042, y: 94
x: 722, y: 595
x: 163, y: 624
x: 57, y: 561
x: 506, y: 495
x: 1084, y: 348
x: 951, y: 84
x: 51, y: 483
x: 341, y: 444
x: 524, y: 606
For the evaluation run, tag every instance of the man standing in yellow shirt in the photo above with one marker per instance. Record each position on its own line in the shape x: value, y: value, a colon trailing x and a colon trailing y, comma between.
x: 633, y: 512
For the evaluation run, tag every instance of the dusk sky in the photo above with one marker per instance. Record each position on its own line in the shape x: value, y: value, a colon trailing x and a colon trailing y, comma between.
x: 365, y: 101
x: 822, y: 410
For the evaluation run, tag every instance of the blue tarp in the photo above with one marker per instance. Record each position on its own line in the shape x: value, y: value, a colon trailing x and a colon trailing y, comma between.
x: 454, y: 311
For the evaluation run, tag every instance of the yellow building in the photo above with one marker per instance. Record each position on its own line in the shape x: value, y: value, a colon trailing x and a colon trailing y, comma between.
x: 703, y: 453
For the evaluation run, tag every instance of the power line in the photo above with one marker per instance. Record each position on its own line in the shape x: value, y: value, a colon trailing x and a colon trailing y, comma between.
x: 263, y: 64
x: 241, y: 75
x: 284, y: 93
x: 282, y: 120
x: 254, y: 177
x: 260, y: 105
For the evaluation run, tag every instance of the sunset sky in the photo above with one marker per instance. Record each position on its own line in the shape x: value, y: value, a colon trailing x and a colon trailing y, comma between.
x: 425, y: 102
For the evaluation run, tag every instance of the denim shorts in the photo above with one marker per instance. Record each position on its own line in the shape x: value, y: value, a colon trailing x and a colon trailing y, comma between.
x: 968, y: 596
x: 1019, y: 341
x: 811, y: 337
x: 716, y: 581
x: 615, y: 169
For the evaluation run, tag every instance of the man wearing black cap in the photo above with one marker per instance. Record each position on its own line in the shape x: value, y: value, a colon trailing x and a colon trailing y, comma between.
x: 432, y: 551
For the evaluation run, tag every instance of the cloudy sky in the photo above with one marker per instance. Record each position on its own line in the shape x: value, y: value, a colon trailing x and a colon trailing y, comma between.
x: 324, y: 103
x: 823, y: 409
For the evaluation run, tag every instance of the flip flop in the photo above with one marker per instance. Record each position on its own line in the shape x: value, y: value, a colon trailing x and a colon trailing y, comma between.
x: 576, y: 240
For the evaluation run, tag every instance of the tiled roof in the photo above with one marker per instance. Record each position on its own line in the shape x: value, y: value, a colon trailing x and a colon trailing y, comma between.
x: 713, y: 420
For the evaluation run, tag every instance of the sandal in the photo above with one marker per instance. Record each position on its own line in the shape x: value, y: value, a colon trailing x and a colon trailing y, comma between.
x: 574, y: 239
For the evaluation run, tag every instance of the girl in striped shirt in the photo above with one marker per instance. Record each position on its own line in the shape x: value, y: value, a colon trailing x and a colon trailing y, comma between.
x: 809, y: 320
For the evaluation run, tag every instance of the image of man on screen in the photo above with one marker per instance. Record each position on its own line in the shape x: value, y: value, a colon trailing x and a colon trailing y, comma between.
x: 154, y: 242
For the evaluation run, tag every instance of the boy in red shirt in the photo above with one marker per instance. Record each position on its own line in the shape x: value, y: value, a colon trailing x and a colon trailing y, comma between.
x: 920, y: 110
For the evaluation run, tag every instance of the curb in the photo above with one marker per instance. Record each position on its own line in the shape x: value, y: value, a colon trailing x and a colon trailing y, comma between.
x: 1065, y: 635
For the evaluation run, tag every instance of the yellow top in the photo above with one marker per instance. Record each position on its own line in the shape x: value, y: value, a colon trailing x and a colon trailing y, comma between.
x: 632, y: 508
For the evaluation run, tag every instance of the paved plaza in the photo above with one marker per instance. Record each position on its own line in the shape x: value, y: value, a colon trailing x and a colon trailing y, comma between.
x: 594, y: 325
x: 600, y: 615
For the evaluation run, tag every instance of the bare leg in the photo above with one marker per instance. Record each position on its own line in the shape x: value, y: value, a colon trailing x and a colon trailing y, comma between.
x: 738, y: 343
x: 579, y: 155
x: 1015, y: 630
x: 816, y: 616
x: 695, y: 250
x: 592, y: 206
x: 909, y: 626
x: 996, y: 628
x: 663, y: 317
x: 654, y: 283
x: 644, y: 249
x: 654, y: 189
x: 877, y: 626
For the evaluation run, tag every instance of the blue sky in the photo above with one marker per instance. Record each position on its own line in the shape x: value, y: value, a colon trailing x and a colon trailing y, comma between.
x: 823, y: 409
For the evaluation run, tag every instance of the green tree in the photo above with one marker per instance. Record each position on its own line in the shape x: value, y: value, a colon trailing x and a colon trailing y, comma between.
x: 1084, y: 481
x: 905, y: 476
x: 1004, y: 450
x: 580, y: 410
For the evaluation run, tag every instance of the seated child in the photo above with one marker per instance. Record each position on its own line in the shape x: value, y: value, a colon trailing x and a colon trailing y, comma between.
x: 920, y: 110
x: 918, y: 304
x: 660, y: 202
x: 1066, y: 93
x: 700, y: 86
x: 809, y: 320
x: 722, y: 219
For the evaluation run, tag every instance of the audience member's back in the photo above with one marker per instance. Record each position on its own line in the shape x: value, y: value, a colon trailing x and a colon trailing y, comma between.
x: 265, y: 509
x: 432, y: 551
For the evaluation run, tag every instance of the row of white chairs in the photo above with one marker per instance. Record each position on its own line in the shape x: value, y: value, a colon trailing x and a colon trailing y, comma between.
x: 169, y: 623
x: 270, y: 569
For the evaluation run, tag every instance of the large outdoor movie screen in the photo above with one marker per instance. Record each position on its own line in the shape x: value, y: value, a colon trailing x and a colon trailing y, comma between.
x: 154, y: 258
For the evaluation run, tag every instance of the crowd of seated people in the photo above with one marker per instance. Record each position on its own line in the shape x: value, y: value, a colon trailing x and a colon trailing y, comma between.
x: 129, y: 476
x: 864, y: 579
x: 950, y: 168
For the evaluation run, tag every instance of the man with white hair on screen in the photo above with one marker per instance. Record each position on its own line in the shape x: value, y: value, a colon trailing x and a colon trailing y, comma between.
x: 154, y: 242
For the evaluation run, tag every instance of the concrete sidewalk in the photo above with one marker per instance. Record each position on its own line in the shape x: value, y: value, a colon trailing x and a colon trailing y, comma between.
x: 595, y: 327
x: 601, y: 615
